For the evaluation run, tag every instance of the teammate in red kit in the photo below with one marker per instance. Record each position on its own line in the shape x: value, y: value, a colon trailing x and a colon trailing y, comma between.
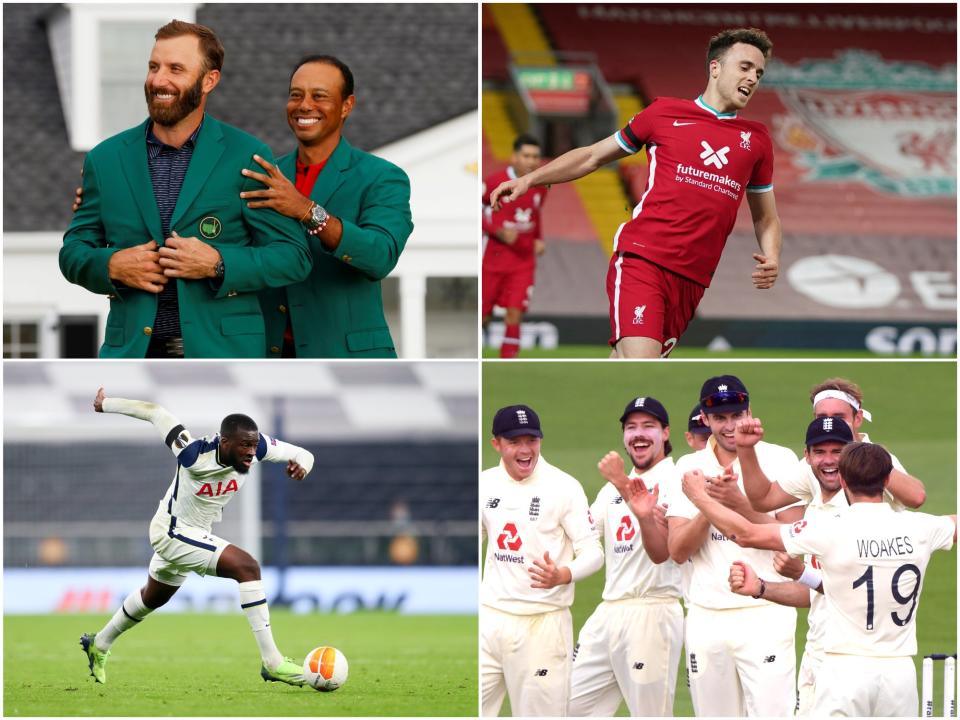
x: 703, y: 160
x: 513, y: 243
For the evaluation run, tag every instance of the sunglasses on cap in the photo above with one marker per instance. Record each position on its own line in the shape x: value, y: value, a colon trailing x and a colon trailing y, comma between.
x: 724, y: 398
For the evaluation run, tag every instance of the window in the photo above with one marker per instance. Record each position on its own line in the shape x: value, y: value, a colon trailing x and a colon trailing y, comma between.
x: 21, y: 339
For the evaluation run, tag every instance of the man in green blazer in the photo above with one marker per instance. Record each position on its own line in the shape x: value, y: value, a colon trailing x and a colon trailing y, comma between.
x: 152, y: 192
x: 356, y: 210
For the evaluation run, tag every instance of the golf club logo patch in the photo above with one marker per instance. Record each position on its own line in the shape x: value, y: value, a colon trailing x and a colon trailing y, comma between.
x: 210, y: 227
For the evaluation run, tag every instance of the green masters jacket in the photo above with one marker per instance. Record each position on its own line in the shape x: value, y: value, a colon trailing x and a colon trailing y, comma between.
x: 260, y: 248
x: 338, y: 310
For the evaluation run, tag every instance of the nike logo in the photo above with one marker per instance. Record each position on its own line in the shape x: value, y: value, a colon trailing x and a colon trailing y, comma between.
x: 680, y: 124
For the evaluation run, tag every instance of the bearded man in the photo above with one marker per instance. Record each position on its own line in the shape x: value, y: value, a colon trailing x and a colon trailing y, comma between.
x: 162, y: 230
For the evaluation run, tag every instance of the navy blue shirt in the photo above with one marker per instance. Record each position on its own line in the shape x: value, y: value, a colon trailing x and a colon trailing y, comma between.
x: 168, y: 167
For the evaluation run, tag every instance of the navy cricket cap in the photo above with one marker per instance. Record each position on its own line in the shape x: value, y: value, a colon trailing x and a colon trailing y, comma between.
x: 724, y: 393
x: 829, y: 429
x: 648, y: 405
x: 695, y: 423
x: 516, y: 420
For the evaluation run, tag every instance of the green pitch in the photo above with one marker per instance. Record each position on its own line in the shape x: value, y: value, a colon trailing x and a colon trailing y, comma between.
x: 208, y: 665
x: 914, y: 415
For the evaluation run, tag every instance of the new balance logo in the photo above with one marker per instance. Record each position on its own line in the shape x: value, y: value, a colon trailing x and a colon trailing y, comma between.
x: 717, y: 158
x: 638, y: 314
x: 492, y: 503
x: 770, y: 658
x: 542, y: 672
x: 638, y: 666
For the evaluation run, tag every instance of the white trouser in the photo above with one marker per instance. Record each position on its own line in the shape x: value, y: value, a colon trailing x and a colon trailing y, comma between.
x: 742, y: 662
x: 807, y: 682
x: 528, y: 658
x: 860, y: 686
x: 628, y: 650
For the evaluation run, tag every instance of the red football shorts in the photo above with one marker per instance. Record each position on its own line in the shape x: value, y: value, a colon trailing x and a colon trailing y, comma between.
x: 649, y: 301
x: 510, y: 289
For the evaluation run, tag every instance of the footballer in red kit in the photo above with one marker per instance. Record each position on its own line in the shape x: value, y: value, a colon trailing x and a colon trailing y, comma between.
x: 513, y: 241
x: 704, y: 160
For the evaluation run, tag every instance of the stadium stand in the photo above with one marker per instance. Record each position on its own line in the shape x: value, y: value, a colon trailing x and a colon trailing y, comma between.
x: 861, y: 103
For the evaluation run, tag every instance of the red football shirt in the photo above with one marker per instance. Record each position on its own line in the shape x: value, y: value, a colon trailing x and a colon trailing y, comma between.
x: 701, y: 164
x: 522, y: 214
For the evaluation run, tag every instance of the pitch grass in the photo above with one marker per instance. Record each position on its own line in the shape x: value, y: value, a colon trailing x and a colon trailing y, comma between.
x: 208, y: 665
x: 914, y: 415
x: 595, y: 352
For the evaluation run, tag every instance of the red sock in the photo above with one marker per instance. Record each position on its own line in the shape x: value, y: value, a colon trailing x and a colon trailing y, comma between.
x: 511, y: 342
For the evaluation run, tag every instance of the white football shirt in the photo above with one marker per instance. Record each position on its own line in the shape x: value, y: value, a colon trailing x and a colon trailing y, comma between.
x: 202, y: 485
x: 873, y: 560
x: 709, y: 585
x: 630, y: 573
x: 547, y: 511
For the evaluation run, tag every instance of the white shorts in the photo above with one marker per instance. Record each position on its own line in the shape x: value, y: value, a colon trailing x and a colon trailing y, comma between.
x: 182, y: 551
x: 628, y: 650
x: 742, y: 661
x: 859, y: 686
x: 528, y: 658
x: 807, y: 682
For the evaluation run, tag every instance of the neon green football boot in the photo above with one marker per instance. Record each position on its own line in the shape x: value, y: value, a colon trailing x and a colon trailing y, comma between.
x: 287, y: 671
x: 98, y: 660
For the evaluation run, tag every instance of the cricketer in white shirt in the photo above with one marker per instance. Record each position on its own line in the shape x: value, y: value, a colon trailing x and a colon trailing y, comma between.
x: 872, y: 560
x: 629, y: 648
x: 541, y: 539
x: 740, y: 650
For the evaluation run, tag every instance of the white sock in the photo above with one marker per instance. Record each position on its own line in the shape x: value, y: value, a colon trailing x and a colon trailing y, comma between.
x: 132, y: 611
x: 254, y: 603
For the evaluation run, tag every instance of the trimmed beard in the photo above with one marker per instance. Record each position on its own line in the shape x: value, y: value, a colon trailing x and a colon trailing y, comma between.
x: 185, y: 103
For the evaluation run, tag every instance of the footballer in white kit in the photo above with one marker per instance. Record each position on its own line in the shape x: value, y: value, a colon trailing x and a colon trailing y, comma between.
x: 629, y: 648
x: 210, y: 472
x: 873, y: 560
x: 740, y: 650
x: 540, y: 540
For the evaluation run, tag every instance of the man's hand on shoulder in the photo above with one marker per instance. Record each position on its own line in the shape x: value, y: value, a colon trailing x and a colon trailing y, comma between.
x: 280, y: 194
x: 138, y: 267
x: 98, y: 401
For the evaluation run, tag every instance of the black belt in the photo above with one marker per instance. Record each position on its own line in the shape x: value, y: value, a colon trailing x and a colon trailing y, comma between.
x: 165, y: 347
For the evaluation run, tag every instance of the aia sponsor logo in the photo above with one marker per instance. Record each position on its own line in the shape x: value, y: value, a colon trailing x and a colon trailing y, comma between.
x: 209, y: 490
x: 509, y: 539
x: 626, y: 531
